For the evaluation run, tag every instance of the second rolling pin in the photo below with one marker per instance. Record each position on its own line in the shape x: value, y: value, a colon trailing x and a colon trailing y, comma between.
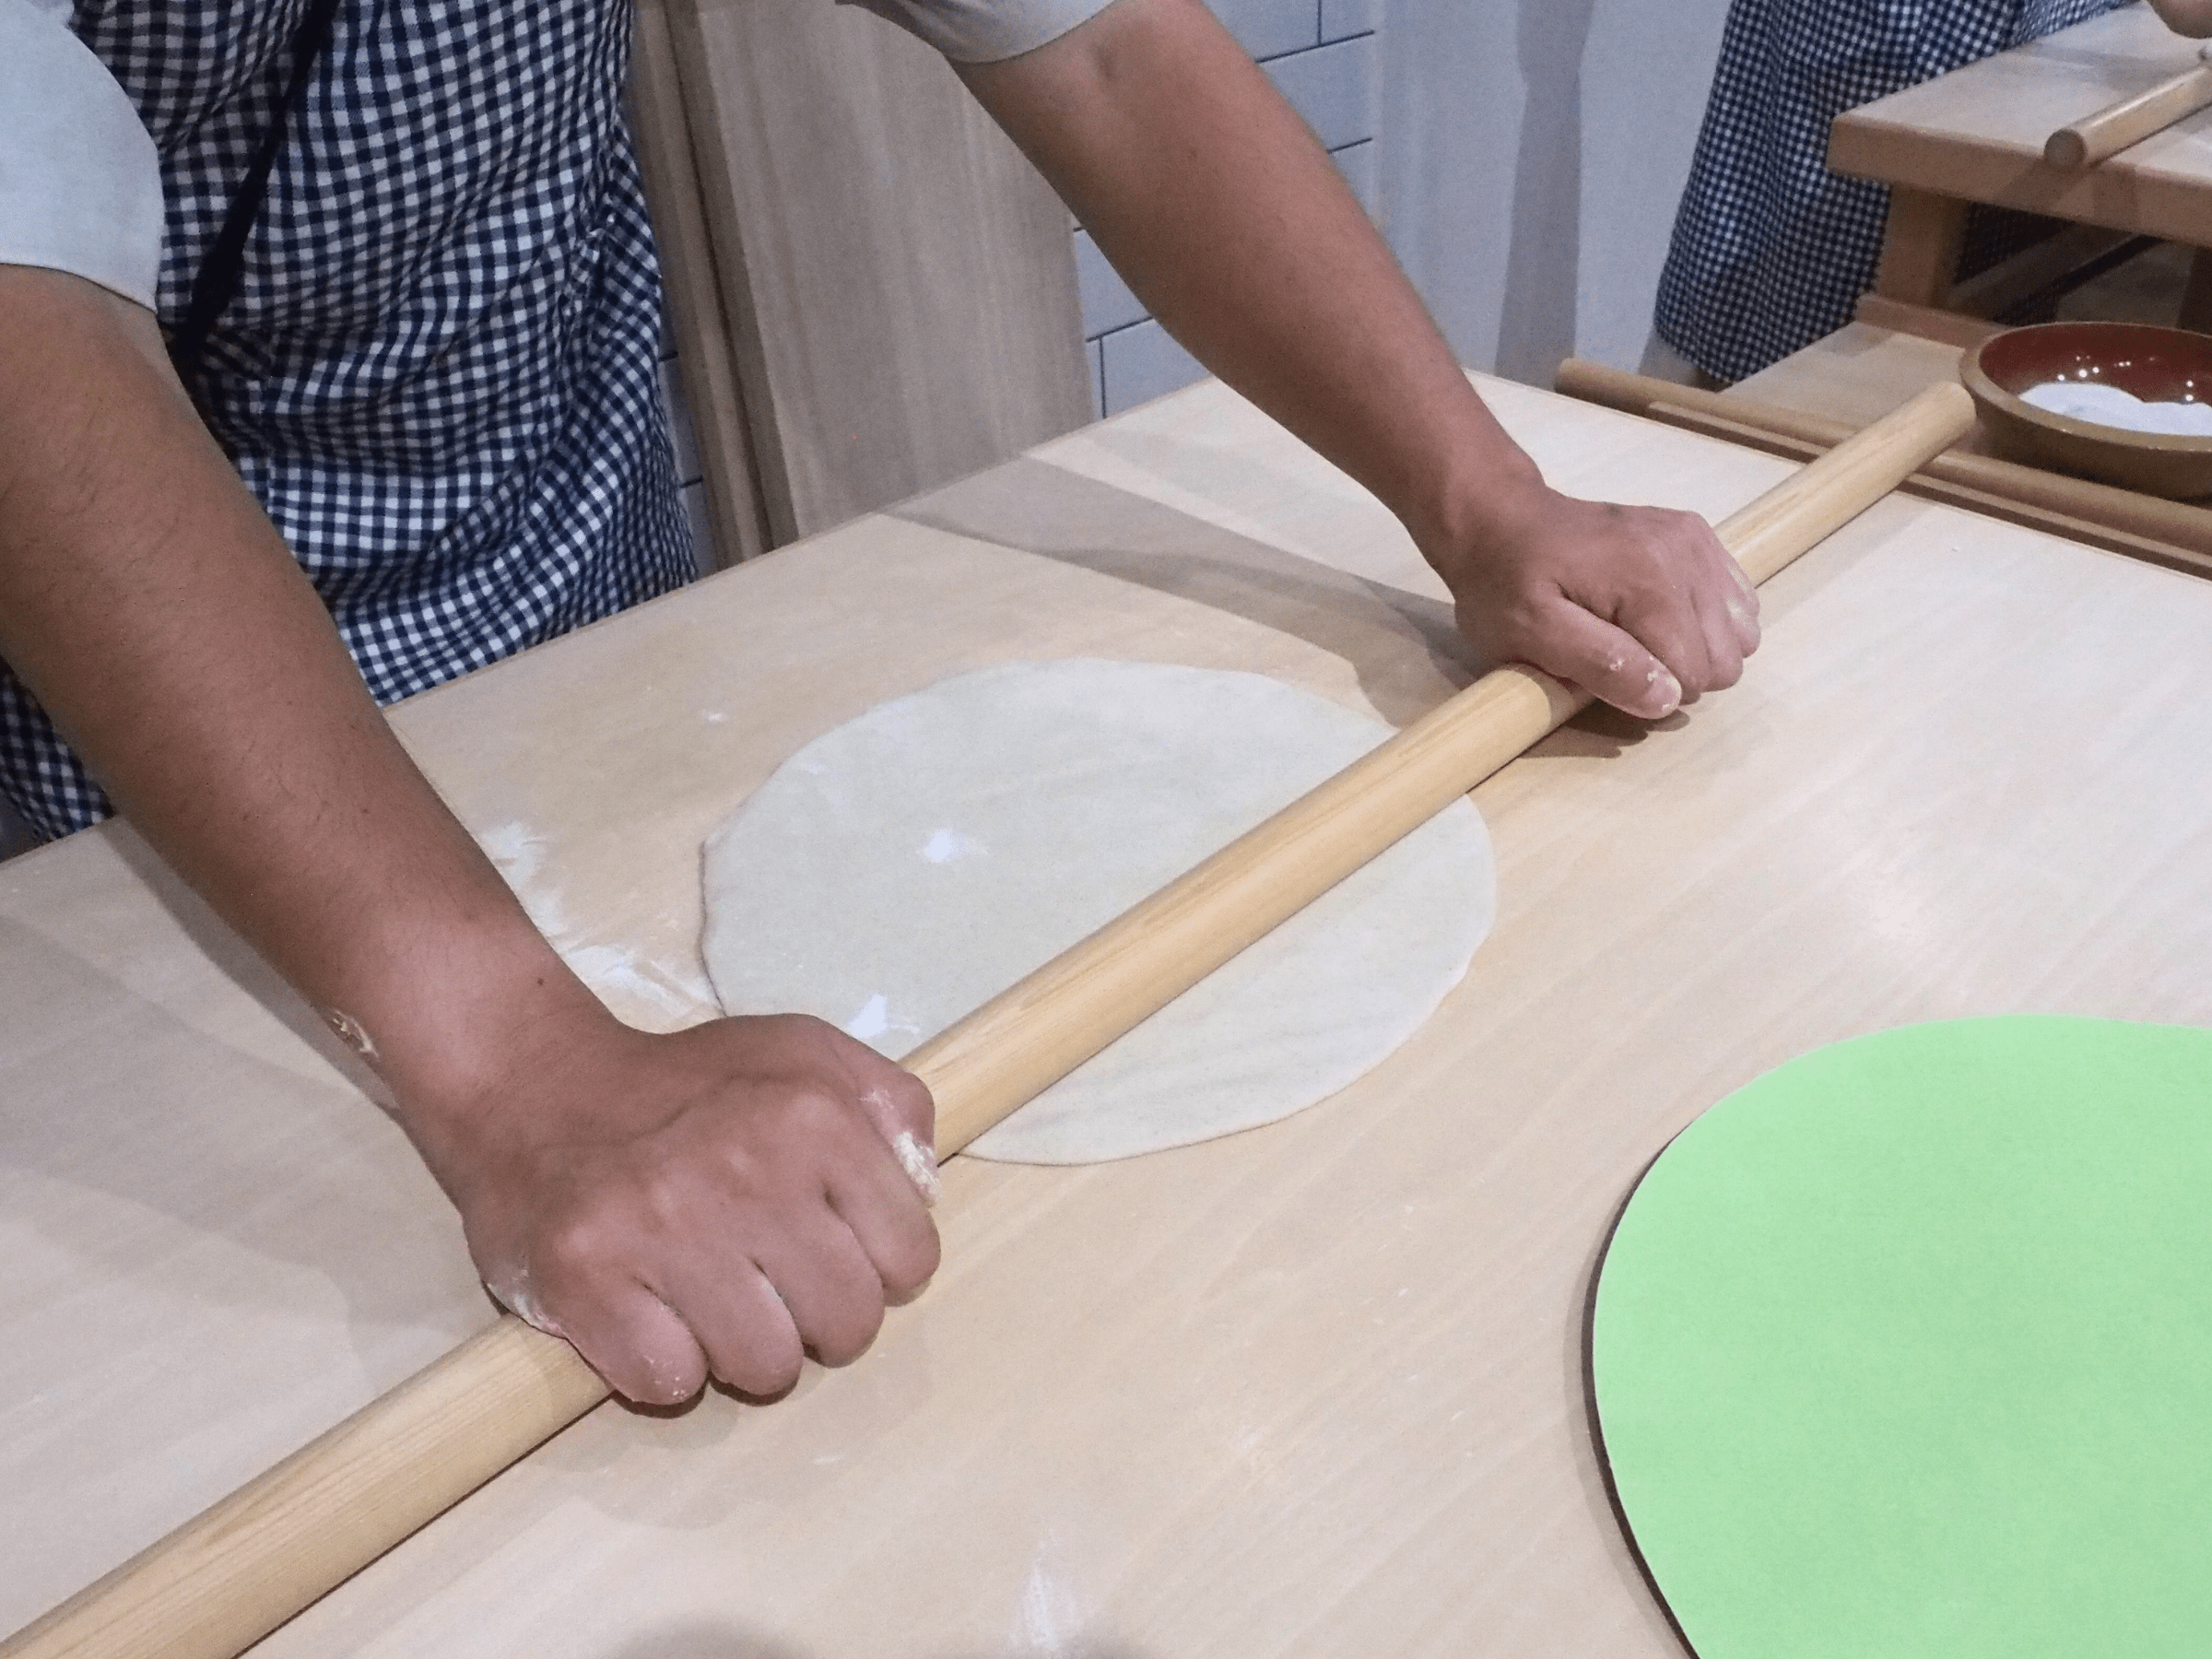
x: 2105, y: 134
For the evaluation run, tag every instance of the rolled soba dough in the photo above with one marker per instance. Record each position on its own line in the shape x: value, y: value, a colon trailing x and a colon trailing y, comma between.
x: 909, y: 865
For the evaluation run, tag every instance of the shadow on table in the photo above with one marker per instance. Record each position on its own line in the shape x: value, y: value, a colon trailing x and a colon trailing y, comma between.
x: 284, y: 1161
x: 1404, y: 647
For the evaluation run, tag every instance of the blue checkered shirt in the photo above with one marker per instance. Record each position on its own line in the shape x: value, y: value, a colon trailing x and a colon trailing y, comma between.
x: 1771, y: 250
x: 438, y: 371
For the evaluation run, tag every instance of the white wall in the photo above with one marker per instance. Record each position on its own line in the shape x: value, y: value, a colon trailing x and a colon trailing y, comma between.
x: 1532, y: 152
x: 1525, y: 158
x: 1323, y: 57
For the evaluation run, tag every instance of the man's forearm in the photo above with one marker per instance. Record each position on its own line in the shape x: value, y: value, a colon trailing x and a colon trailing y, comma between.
x: 154, y: 610
x: 1233, y: 226
x: 722, y: 1199
x: 1229, y: 220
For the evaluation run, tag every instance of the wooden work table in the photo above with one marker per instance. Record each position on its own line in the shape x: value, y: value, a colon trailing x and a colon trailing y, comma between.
x: 1977, y: 135
x: 1314, y: 1390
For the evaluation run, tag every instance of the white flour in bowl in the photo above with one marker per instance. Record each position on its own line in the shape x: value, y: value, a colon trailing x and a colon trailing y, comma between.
x: 2108, y: 406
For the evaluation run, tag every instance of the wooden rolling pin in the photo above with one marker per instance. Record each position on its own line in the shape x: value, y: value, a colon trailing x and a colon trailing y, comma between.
x: 2095, y: 137
x: 221, y: 1581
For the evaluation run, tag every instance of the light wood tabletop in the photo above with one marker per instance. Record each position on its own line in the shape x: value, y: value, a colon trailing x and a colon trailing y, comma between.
x: 1316, y: 1389
x: 1977, y: 135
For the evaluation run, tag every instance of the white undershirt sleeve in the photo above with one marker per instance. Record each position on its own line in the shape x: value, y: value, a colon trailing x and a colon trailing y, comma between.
x: 80, y: 184
x: 983, y: 31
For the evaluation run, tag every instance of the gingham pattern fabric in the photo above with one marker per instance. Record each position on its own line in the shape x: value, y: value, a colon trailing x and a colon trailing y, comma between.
x: 438, y: 374
x: 1771, y: 250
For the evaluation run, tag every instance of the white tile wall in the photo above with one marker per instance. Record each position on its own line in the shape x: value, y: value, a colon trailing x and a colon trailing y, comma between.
x: 1357, y: 163
x: 1321, y: 55
x: 1332, y: 87
x: 1141, y: 363
x: 1341, y: 19
x: 1107, y: 302
x: 1269, y: 28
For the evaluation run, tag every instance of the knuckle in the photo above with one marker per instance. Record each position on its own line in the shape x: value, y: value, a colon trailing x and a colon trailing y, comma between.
x: 813, y: 1028
x: 574, y: 1244
x: 813, y: 1113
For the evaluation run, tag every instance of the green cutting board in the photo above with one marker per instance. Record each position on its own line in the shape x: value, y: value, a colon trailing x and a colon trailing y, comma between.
x: 1906, y: 1350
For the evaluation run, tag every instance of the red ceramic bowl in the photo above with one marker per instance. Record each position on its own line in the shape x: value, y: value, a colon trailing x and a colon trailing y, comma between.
x: 2158, y: 365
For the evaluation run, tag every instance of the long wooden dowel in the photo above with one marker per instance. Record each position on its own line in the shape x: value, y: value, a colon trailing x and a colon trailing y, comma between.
x: 2066, y: 501
x: 2098, y: 136
x: 221, y: 1581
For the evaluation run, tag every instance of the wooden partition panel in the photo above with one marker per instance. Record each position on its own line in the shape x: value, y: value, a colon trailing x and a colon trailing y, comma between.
x: 703, y: 336
x: 898, y: 280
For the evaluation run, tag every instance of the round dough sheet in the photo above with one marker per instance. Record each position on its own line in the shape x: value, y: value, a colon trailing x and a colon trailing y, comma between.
x: 906, y: 867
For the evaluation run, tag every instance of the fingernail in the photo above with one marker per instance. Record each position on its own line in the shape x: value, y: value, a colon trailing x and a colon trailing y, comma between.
x: 1668, y: 687
x: 921, y: 1165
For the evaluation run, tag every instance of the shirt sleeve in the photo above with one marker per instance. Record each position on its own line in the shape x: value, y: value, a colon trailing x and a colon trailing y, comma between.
x: 980, y: 31
x: 80, y: 183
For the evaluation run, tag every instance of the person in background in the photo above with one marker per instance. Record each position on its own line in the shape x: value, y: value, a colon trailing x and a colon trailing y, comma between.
x: 1771, y: 251
x: 328, y: 346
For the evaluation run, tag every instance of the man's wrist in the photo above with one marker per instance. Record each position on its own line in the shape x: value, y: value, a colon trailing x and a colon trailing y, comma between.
x: 1484, y: 501
x: 462, y: 1029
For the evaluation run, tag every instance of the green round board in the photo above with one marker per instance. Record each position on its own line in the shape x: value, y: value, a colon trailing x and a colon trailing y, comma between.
x: 1906, y: 1350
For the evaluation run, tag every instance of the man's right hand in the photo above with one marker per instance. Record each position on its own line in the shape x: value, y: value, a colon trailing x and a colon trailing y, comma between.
x: 712, y: 1200
x: 720, y: 1201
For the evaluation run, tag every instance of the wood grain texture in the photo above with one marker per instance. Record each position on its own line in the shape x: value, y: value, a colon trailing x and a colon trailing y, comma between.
x: 1308, y: 1391
x: 694, y: 290
x: 1978, y: 133
x: 901, y: 282
x: 1920, y: 239
x: 254, y: 1559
